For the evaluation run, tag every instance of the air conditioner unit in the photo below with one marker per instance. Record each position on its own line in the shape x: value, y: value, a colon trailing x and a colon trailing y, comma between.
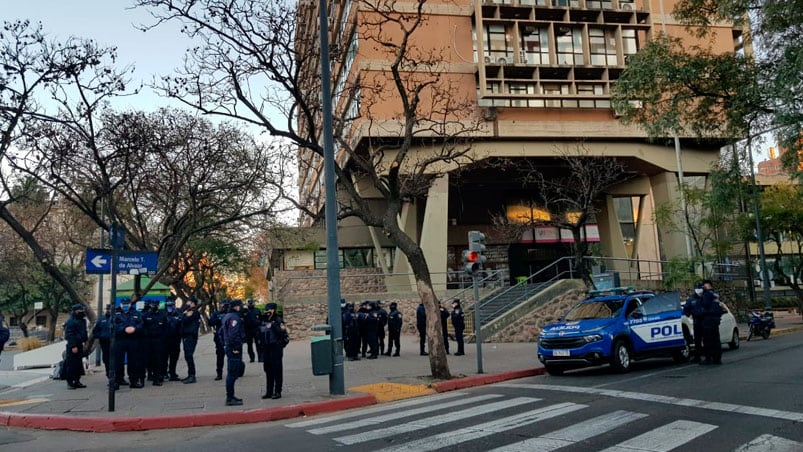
x: 530, y: 29
x: 626, y: 6
x: 502, y: 60
x: 487, y: 59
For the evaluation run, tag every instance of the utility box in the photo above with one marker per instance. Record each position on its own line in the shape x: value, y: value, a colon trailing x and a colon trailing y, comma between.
x: 322, y: 355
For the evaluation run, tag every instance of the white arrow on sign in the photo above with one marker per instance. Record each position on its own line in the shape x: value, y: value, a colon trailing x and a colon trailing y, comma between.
x: 99, y: 261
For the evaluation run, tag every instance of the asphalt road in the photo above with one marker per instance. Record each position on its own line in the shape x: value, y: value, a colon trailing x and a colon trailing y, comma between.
x: 753, y: 402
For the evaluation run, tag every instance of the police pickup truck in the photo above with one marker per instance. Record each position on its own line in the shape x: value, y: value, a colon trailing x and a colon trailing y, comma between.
x: 615, y: 327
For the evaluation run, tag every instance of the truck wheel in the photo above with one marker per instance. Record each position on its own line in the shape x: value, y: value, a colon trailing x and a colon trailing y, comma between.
x: 621, y: 359
x: 553, y: 369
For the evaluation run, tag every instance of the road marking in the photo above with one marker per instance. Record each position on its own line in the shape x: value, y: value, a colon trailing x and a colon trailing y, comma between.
x: 664, y: 438
x: 574, y: 434
x: 420, y: 424
x: 770, y: 443
x: 376, y: 409
x: 462, y: 435
x: 668, y: 400
x: 400, y: 414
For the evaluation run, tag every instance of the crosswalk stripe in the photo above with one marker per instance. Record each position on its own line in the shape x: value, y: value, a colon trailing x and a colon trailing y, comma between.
x: 771, y: 443
x: 695, y: 403
x: 400, y: 414
x: 489, y: 428
x: 377, y: 409
x: 421, y: 424
x: 573, y: 434
x: 664, y: 438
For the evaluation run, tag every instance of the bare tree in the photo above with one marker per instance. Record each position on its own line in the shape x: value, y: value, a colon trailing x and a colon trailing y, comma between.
x: 259, y: 64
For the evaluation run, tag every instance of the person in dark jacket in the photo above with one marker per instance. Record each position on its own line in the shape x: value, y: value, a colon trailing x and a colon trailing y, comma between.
x: 274, y: 337
x: 233, y: 338
x: 76, y: 338
x: 172, y: 340
x: 353, y: 332
x: 421, y: 325
x: 101, y: 332
x: 250, y: 315
x: 693, y: 309
x: 394, y: 329
x: 216, y: 322
x: 712, y: 313
x: 371, y: 323
x: 190, y: 322
x: 362, y: 316
x: 459, y: 325
x: 382, y: 315
x: 445, y: 327
x: 154, y: 335
x: 128, y: 334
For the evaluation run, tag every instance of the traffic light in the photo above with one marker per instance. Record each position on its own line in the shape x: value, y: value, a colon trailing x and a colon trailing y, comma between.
x: 473, y: 258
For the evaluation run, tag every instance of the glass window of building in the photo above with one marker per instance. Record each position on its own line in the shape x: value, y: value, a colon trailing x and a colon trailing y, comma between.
x: 629, y: 42
x: 497, y: 44
x: 602, y: 46
x: 627, y: 213
x: 569, y: 43
x: 535, y: 45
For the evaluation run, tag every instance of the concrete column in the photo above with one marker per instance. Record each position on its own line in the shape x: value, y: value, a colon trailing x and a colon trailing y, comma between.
x: 665, y: 190
x: 402, y: 279
x: 434, y: 233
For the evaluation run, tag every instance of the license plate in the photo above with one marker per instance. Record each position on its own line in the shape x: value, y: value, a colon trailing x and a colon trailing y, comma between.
x: 560, y: 353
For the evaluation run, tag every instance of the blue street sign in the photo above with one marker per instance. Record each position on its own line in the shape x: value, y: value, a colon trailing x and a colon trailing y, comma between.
x: 99, y: 261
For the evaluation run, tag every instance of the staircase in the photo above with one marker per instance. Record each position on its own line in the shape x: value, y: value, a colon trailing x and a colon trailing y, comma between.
x: 497, y: 305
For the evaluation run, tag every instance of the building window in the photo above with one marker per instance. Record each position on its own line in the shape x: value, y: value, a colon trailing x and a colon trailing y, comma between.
x: 355, y: 258
x: 627, y: 214
x: 534, y: 45
x: 41, y: 320
x: 569, y: 43
x: 629, y: 42
x: 521, y: 88
x: 497, y: 44
x: 602, y: 46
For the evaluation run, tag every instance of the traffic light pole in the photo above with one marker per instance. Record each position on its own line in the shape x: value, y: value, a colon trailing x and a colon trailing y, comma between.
x: 477, y: 326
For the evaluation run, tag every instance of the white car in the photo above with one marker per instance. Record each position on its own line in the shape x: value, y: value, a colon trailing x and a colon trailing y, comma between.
x: 728, y: 330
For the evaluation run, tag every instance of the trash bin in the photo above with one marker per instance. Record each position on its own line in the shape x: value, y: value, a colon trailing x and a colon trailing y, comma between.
x: 321, y: 355
x: 521, y: 279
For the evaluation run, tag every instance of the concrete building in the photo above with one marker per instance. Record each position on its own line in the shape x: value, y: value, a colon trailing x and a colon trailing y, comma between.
x: 539, y: 74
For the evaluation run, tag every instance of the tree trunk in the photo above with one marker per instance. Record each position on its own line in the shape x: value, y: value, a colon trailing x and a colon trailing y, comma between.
x: 51, y: 331
x: 579, y: 254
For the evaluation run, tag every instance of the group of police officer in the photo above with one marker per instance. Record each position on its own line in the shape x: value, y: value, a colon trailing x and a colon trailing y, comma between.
x: 704, y: 309
x: 458, y: 324
x: 364, y: 330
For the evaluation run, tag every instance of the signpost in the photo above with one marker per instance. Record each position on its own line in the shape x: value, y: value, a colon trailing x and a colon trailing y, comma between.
x: 99, y: 261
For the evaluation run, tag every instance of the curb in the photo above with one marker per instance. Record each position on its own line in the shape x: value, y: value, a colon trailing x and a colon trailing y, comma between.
x: 141, y: 423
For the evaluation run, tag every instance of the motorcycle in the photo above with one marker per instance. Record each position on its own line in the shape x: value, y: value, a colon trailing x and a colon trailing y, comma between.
x: 760, y: 324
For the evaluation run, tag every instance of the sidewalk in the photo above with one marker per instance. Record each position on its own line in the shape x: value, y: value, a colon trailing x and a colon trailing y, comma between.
x: 48, y: 404
x: 28, y: 399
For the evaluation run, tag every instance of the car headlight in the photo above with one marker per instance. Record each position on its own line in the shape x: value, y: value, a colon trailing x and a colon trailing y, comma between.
x: 592, y: 338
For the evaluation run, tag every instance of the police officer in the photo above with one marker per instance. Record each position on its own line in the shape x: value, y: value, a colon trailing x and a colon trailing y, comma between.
x: 250, y: 316
x: 128, y: 331
x: 233, y: 338
x: 421, y: 325
x: 394, y: 329
x: 459, y: 325
x: 215, y: 322
x: 190, y: 322
x: 274, y: 337
x: 371, y: 323
x: 76, y: 338
x: 350, y: 320
x: 693, y: 309
x: 712, y: 312
x: 445, y: 327
x: 362, y: 315
x: 154, y: 334
x: 172, y: 340
x: 383, y: 321
x: 101, y: 332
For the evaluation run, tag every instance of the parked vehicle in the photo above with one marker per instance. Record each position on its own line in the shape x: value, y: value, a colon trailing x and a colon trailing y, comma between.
x: 728, y: 328
x: 760, y: 324
x: 616, y: 329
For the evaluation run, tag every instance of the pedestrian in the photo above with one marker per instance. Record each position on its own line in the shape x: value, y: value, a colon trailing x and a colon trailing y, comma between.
x: 421, y: 325
x: 216, y: 322
x: 250, y: 315
x: 132, y: 330
x: 154, y: 335
x: 353, y: 333
x: 102, y: 333
x: 371, y: 323
x: 190, y: 322
x: 712, y: 313
x: 5, y: 333
x: 274, y: 337
x: 382, y: 315
x: 172, y: 340
x: 362, y: 316
x: 394, y: 329
x: 445, y: 327
x: 693, y: 309
x: 233, y: 338
x: 76, y: 338
x: 459, y: 325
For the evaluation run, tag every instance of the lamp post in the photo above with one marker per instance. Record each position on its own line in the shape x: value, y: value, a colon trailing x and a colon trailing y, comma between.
x: 336, y: 379
x: 765, y: 277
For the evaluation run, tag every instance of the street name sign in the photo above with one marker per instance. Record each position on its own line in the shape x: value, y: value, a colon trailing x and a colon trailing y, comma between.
x: 99, y: 261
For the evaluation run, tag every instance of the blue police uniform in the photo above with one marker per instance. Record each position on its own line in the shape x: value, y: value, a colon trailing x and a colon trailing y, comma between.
x: 233, y: 338
x: 154, y: 334
x: 394, y: 329
x: 421, y: 325
x: 273, y: 339
x: 459, y: 325
x: 102, y: 332
x: 76, y: 337
x: 216, y: 322
x: 172, y: 340
x: 129, y: 346
x: 190, y: 322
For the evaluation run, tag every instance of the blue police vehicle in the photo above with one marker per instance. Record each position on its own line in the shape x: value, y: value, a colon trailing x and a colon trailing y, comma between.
x: 615, y: 327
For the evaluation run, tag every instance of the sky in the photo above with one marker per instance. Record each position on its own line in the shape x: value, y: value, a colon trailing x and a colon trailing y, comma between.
x: 110, y: 23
